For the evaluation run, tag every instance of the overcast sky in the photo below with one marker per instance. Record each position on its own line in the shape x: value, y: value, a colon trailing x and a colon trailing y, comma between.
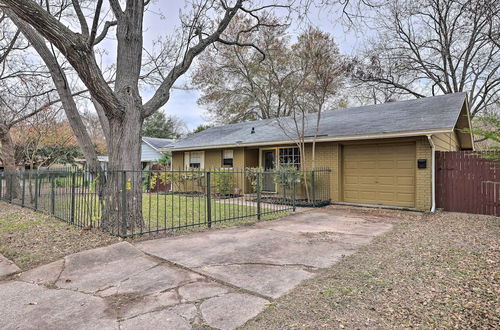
x: 163, y: 18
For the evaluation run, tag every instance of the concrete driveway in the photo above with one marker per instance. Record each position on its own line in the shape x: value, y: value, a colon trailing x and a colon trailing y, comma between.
x: 220, y: 278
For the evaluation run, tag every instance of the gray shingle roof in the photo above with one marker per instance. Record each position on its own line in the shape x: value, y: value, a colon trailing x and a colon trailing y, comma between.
x: 157, y: 142
x: 431, y: 113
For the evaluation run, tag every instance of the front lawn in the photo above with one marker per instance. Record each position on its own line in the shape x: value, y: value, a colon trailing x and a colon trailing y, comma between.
x: 31, y: 239
x: 430, y: 271
x: 167, y: 211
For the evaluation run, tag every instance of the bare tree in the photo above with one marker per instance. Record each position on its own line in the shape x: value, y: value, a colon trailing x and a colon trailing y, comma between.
x: 25, y: 90
x: 312, y: 89
x: 238, y: 83
x: 434, y: 47
x: 120, y: 106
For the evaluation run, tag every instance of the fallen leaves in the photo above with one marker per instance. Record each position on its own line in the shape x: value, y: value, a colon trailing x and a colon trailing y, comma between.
x: 431, y: 271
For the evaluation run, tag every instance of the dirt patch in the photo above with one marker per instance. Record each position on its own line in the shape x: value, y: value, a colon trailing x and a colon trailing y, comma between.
x: 31, y: 239
x: 118, y: 304
x: 430, y: 271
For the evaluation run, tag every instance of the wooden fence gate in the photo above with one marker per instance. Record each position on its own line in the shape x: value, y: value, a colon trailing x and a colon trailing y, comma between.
x: 465, y: 182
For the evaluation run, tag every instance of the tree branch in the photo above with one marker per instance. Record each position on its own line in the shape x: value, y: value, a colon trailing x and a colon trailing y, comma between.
x: 104, y: 32
x: 73, y: 46
x: 81, y: 17
x: 95, y: 23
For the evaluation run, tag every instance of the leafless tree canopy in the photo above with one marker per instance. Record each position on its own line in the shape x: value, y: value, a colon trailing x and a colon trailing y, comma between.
x: 432, y: 47
x: 74, y: 29
x: 25, y: 90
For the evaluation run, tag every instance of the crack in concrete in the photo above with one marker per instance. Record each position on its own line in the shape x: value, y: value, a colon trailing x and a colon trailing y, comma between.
x: 174, y: 264
x: 341, y: 233
x: 308, y: 268
x: 119, y: 283
x: 63, y: 267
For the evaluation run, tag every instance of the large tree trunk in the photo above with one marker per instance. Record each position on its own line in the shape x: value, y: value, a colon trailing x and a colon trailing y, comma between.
x: 13, y: 188
x: 123, y: 203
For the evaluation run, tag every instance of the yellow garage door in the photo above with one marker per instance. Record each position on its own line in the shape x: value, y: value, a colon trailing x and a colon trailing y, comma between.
x: 379, y: 174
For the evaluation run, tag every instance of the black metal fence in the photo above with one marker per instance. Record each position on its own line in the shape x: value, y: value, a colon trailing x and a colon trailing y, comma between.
x: 169, y: 200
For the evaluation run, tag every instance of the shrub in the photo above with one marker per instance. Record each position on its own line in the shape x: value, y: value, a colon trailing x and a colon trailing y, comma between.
x: 224, y: 181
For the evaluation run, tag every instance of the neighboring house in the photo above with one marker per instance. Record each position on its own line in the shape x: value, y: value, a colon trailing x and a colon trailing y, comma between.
x: 379, y: 155
x: 150, y: 147
x: 150, y: 151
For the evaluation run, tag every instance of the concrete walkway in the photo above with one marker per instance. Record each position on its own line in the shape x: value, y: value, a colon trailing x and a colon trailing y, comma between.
x: 7, y: 267
x: 219, y: 278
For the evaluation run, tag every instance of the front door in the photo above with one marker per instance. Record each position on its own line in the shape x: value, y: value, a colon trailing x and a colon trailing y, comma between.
x: 269, y: 160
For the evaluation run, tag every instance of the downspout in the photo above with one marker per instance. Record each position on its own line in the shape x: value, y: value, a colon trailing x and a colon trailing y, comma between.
x: 433, y: 171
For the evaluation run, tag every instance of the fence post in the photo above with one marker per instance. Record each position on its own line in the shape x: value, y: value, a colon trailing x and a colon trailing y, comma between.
x: 11, y: 185
x: 124, y: 204
x: 258, y: 190
x: 24, y: 188
x: 36, y: 190
x: 1, y: 184
x: 313, y: 188
x: 52, y: 194
x: 294, y: 183
x: 209, y: 202
x: 72, y: 210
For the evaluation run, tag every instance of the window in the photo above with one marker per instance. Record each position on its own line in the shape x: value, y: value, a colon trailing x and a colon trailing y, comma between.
x: 289, y: 157
x: 194, y: 159
x: 227, y: 158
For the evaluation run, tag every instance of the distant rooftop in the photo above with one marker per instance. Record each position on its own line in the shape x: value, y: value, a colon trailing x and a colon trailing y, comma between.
x: 157, y: 143
x: 423, y: 114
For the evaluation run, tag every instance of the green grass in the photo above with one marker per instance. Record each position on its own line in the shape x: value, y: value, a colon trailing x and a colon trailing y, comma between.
x: 165, y: 211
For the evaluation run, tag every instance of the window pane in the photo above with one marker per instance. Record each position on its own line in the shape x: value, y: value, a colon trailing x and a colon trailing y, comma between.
x: 196, y: 157
x: 289, y: 157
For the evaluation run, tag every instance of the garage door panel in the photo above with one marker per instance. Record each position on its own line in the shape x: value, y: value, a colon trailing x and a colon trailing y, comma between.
x: 369, y: 180
x: 405, y: 181
x: 386, y: 180
x: 385, y: 164
x: 348, y: 180
x: 409, y: 197
x: 405, y: 164
x: 366, y: 164
x: 386, y: 196
x: 379, y: 174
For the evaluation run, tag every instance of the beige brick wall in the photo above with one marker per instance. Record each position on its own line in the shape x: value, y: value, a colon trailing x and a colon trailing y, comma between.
x: 178, y: 160
x: 423, y: 194
x: 213, y: 158
x: 329, y: 155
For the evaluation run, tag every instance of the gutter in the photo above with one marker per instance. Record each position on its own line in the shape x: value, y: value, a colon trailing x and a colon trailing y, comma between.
x: 322, y: 139
x: 433, y: 171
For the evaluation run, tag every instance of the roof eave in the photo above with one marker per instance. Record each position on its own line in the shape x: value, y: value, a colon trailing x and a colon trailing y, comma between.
x: 319, y: 139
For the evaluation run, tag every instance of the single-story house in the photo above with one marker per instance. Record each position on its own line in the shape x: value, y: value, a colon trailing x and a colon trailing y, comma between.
x: 150, y: 151
x: 380, y: 154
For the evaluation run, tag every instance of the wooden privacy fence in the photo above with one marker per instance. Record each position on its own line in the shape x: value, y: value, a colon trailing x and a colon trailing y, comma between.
x: 466, y: 182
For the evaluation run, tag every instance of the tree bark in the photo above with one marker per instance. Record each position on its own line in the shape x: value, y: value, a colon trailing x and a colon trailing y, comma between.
x: 123, y: 211
x: 13, y: 187
x: 122, y: 106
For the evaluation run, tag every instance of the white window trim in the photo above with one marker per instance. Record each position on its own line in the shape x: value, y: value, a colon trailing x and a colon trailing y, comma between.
x: 278, y: 156
x: 230, y: 155
x: 187, y: 159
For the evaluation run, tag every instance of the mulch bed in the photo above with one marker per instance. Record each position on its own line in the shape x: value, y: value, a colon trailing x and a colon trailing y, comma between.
x: 298, y: 202
x: 431, y: 271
